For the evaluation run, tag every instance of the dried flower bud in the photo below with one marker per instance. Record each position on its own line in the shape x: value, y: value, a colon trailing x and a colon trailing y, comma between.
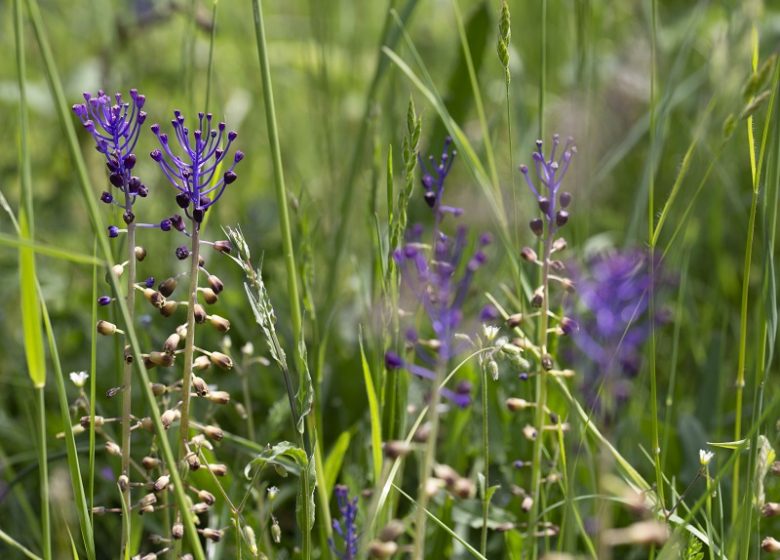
x: 464, y: 488
x: 221, y: 360
x: 537, y: 226
x: 382, y: 549
x: 515, y: 404
x: 140, y: 253
x: 396, y: 448
x: 150, y: 463
x: 558, y: 245
x: 446, y: 473
x: 192, y: 461
x: 200, y: 386
x: 161, y: 483
x: 105, y: 328
x: 123, y: 482
x: 215, y: 284
x: 209, y: 296
x: 223, y: 246
x: 200, y: 314
x: 158, y: 389
x: 527, y: 504
x: 147, y: 424
x: 177, y: 531
x: 171, y: 343
x: 118, y: 270
x: 201, y: 363
x: 219, y: 323
x: 770, y: 544
x: 169, y: 417
x: 422, y: 433
x: 214, y: 535
x: 147, y: 500
x: 206, y: 497
x: 113, y: 449
x: 433, y: 485
x: 770, y: 509
x: 250, y: 538
x: 168, y: 286
x: 128, y: 354
x: 528, y: 254
x: 162, y: 359
x: 199, y: 508
x: 561, y: 218
x: 276, y: 532
x: 514, y: 320
x: 218, y: 397
x: 169, y: 308
x: 538, y: 298
x: 547, y: 362
x: 218, y: 469
x: 565, y: 199
x: 529, y: 432
x: 391, y: 531
x: 85, y: 421
x: 213, y: 432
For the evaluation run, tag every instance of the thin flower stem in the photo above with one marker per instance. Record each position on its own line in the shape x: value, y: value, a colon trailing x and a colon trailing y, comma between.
x: 127, y: 380
x: 427, y: 465
x: 44, y: 475
x: 486, y: 459
x: 189, y: 343
x: 541, y: 391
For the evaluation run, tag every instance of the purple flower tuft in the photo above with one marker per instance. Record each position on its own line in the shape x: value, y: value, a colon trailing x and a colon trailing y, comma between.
x: 346, y: 529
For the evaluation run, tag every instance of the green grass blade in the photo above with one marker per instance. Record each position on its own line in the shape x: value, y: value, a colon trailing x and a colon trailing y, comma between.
x: 47, y: 250
x: 334, y: 460
x: 374, y: 415
x: 7, y: 539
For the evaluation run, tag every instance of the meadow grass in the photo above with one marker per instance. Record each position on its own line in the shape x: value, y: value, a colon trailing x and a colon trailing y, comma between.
x: 587, y: 372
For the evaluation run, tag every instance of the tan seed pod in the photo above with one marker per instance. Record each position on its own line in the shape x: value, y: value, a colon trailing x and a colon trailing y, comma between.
x: 118, y: 270
x: 222, y: 361
x: 382, y: 549
x: 147, y: 500
x: 464, y: 488
x: 209, y: 296
x: 201, y: 362
x: 200, y: 386
x: 219, y: 397
x: 213, y: 432
x: 113, y: 449
x: 167, y: 286
x: 446, y: 473
x: 169, y: 308
x: 218, y: 469
x: 200, y: 314
x: 192, y: 461
x: 223, y: 246
x: 394, y: 529
x: 396, y: 448
x: 85, y: 421
x: 162, y: 359
x: 514, y: 404
x: 123, y: 482
x: 199, y: 508
x: 150, y: 463
x: 161, y: 483
x: 105, y: 328
x: 158, y: 389
x: 215, y: 284
x: 214, y: 535
x: 169, y: 417
x: 219, y: 323
x: 177, y: 531
x: 206, y: 497
x: 147, y: 424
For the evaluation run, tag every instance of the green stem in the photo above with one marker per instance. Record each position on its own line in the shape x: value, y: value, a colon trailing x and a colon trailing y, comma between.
x: 44, y: 475
x: 427, y: 465
x: 127, y: 379
x: 543, y: 65
x: 486, y: 459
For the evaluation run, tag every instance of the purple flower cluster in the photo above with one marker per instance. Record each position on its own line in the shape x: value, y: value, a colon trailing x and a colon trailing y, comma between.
x: 614, y: 290
x: 115, y: 126
x: 347, y: 527
x: 193, y: 174
x: 436, y: 279
x: 550, y: 174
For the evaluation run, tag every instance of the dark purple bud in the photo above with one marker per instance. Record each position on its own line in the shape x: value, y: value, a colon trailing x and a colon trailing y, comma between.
x: 393, y: 361
x: 518, y: 464
x: 523, y: 376
x: 117, y: 180
x: 143, y: 192
x: 182, y: 252
x: 165, y: 225
x: 430, y: 198
x: 128, y: 217
x: 561, y: 218
x: 156, y: 155
x: 113, y: 231
x: 106, y: 197
x: 232, y: 135
x: 177, y: 222
x: 565, y: 199
x: 149, y: 282
x: 197, y: 215
x: 141, y: 117
x: 411, y: 335
x: 544, y: 204
x: 134, y: 184
x: 104, y: 300
x: 183, y: 200
x: 156, y: 130
x: 112, y: 165
x: 463, y: 388
x: 230, y: 177
x: 488, y: 313
x: 129, y: 161
x: 569, y: 326
x: 485, y: 239
x: 537, y: 226
x: 238, y: 156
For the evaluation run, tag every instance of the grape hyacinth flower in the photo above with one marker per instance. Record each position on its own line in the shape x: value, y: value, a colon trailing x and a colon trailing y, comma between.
x: 193, y: 174
x: 614, y: 290
x: 433, y: 280
x: 115, y: 125
x: 347, y: 527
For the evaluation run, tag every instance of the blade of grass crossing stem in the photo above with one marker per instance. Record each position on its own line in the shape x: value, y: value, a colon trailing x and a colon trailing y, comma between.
x: 47, y: 250
x: 7, y: 539
x: 63, y: 112
x: 79, y: 497
x: 473, y: 551
x: 31, y: 308
x: 334, y: 460
x: 374, y: 415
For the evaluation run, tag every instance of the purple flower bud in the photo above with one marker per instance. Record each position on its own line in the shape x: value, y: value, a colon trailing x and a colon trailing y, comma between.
x: 128, y: 217
x: 485, y: 239
x: 149, y: 282
x: 561, y: 218
x: 165, y: 225
x: 113, y: 231
x: 182, y: 252
x: 156, y: 155
x: 117, y: 180
x: 230, y: 177
x: 565, y: 199
x: 107, y: 197
x: 177, y: 222
x: 537, y: 226
x: 239, y: 156
x: 488, y: 313
x: 393, y: 361
x: 104, y: 300
x: 129, y: 161
x: 183, y: 200
x: 544, y: 204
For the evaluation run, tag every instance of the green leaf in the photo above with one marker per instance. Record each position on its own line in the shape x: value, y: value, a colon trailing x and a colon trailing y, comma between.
x: 375, y: 417
x: 335, y: 459
x: 31, y: 311
x: 514, y: 544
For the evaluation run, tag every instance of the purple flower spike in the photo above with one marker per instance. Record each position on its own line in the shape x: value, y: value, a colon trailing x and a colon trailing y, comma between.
x: 549, y: 177
x: 194, y: 173
x: 346, y: 529
x: 434, y: 173
x: 114, y: 124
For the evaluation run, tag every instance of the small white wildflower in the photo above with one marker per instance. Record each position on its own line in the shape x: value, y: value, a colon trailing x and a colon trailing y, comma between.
x: 490, y: 332
x: 248, y: 349
x: 272, y: 492
x: 705, y: 457
x: 79, y: 378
